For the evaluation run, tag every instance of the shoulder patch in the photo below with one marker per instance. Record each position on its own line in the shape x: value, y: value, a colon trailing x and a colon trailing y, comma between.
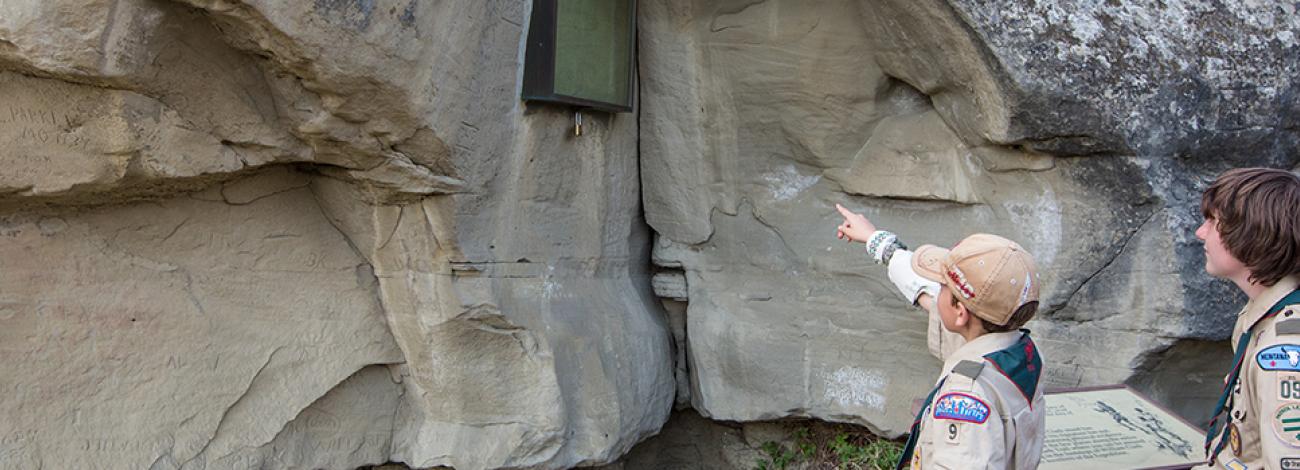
x: 1279, y: 357
x: 961, y: 407
x: 969, y: 369
x: 1287, y: 327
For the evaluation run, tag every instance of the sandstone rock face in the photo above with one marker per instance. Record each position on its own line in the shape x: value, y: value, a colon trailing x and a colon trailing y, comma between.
x: 283, y: 234
x: 152, y: 333
x: 312, y: 235
x: 1084, y: 131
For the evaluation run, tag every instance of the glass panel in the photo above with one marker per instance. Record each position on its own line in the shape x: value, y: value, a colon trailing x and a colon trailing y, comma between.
x: 593, y: 55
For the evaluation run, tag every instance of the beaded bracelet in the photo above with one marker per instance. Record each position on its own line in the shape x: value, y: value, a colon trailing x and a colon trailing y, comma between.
x: 876, y: 242
x: 888, y: 252
x: 882, y: 245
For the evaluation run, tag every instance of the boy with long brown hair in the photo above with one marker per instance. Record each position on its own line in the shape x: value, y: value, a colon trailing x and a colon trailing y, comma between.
x: 1252, y: 238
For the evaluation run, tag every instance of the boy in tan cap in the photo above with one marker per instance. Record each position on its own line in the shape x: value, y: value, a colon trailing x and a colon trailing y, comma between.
x: 986, y: 409
x: 1252, y: 238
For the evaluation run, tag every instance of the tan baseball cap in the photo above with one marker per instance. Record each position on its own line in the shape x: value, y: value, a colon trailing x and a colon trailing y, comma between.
x: 990, y: 275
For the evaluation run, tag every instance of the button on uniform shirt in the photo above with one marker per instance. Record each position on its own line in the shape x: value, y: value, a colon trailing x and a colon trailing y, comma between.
x: 1264, y: 407
x: 981, y: 418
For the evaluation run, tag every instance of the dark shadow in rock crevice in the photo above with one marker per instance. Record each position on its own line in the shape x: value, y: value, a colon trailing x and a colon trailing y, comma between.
x: 1186, y: 377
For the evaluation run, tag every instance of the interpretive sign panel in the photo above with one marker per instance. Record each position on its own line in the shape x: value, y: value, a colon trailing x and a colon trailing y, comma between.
x: 1116, y: 427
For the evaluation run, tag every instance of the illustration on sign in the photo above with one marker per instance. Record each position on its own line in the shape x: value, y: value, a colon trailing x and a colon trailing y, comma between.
x: 1115, y: 427
x: 1150, y: 425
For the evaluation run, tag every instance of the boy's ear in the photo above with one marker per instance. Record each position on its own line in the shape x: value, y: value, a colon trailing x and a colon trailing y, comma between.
x: 963, y: 315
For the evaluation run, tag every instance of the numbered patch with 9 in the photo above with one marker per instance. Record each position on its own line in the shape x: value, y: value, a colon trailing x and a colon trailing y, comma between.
x: 1288, y: 387
x: 952, y: 432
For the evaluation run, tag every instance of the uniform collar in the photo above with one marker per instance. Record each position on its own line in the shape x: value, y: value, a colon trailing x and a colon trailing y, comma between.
x: 1257, y: 307
x: 976, y: 349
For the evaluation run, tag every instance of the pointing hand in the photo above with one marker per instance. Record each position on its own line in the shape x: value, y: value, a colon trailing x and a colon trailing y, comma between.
x: 855, y: 228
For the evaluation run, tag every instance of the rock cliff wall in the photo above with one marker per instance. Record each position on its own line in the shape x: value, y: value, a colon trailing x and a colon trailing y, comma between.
x: 1084, y: 130
x: 312, y: 234
x: 287, y: 234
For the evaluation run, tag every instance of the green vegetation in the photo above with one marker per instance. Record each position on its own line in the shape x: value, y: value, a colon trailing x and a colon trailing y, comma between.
x: 838, y: 448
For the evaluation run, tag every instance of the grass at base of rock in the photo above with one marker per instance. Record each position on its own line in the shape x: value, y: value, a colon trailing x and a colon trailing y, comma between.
x: 838, y: 447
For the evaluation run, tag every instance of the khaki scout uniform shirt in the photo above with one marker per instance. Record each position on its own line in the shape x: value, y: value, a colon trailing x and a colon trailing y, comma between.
x: 1264, y: 408
x: 1010, y: 435
x: 941, y: 342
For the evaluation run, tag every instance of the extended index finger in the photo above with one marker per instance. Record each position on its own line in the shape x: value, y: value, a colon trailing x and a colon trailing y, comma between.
x: 844, y: 212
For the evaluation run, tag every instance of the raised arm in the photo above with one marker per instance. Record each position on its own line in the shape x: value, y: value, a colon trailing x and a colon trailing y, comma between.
x: 885, y: 248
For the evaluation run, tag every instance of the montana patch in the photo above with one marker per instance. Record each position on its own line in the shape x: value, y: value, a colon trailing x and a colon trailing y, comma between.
x: 961, y: 407
x: 1279, y: 357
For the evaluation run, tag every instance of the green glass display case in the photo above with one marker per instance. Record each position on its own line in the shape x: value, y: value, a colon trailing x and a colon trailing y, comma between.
x: 581, y: 53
